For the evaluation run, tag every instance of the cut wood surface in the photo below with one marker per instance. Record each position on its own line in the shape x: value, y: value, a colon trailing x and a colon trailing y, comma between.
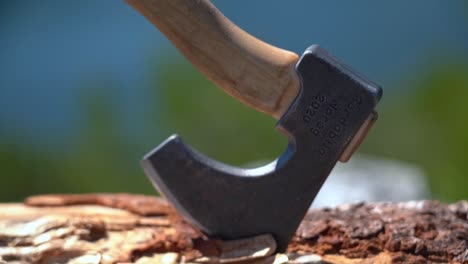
x: 125, y: 228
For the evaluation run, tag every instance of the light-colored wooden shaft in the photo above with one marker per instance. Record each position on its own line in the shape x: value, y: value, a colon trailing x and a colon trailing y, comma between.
x: 258, y: 74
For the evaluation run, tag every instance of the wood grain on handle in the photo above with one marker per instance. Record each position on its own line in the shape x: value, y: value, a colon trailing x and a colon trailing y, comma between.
x: 256, y: 73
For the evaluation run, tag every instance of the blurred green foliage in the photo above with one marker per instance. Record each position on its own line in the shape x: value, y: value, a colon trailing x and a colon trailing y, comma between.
x: 426, y: 124
x: 212, y: 121
x: 97, y: 159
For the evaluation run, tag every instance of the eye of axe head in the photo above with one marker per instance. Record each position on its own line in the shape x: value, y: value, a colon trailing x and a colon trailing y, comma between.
x: 326, y: 121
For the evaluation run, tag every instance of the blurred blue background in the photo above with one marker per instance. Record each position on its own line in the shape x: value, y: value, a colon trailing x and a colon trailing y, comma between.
x: 88, y: 87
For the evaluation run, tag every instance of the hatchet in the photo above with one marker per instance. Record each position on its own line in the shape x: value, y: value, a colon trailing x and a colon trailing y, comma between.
x: 322, y: 106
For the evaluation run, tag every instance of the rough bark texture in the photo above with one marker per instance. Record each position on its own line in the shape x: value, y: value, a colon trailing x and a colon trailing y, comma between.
x: 124, y: 228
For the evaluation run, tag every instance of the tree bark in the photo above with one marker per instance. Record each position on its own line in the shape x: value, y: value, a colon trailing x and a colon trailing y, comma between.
x: 125, y: 228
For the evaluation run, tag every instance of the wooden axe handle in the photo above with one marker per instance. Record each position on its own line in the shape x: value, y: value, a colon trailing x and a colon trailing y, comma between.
x: 258, y: 74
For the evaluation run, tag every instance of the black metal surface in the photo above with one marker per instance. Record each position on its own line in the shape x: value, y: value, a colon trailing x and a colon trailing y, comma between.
x: 230, y: 202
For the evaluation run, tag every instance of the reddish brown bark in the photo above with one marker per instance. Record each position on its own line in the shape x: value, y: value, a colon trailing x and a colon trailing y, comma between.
x: 111, y: 228
x: 413, y: 232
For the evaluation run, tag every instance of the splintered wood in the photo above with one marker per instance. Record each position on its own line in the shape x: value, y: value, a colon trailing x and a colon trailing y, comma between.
x: 124, y: 228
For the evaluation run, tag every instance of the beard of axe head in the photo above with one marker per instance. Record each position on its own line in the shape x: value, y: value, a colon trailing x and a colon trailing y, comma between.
x: 230, y: 202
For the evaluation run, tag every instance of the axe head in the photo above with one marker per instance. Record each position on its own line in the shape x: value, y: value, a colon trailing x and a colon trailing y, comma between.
x: 330, y: 115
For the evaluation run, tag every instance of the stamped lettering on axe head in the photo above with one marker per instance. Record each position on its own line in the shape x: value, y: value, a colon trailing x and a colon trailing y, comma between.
x: 324, y: 109
x: 230, y: 202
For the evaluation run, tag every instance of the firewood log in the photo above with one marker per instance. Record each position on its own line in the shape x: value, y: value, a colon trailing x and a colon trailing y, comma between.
x: 126, y: 228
